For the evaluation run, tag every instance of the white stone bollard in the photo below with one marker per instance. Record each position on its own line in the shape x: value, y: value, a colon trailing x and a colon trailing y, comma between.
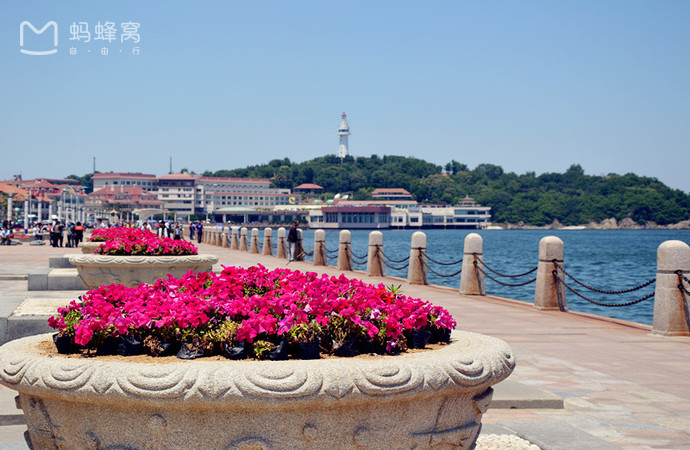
x: 282, y: 244
x: 471, y: 278
x: 345, y: 250
x: 243, y: 239
x: 235, y: 238
x: 268, y: 242
x: 416, y: 271
x: 548, y: 290
x: 375, y: 267
x: 320, y: 258
x: 254, y: 245
x: 671, y: 317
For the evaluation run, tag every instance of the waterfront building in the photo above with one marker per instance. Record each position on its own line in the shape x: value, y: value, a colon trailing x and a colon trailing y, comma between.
x: 145, y: 181
x: 466, y: 214
x: 401, y: 214
x: 343, y: 133
x: 351, y: 217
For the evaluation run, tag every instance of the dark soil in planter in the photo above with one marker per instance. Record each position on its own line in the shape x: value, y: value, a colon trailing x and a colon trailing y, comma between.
x: 441, y: 335
x: 129, y: 345
x: 107, y: 347
x: 345, y: 349
x: 64, y: 345
x: 418, y: 338
x: 47, y: 347
x: 189, y: 351
x: 237, y: 352
x: 306, y: 350
x: 280, y: 353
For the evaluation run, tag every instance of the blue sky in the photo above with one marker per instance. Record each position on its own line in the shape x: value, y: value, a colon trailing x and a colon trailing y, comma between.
x: 530, y: 85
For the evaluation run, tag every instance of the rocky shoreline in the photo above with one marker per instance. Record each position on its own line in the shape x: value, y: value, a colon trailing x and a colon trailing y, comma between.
x: 607, y: 224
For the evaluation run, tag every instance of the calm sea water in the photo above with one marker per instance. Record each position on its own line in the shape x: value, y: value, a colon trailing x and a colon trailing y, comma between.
x: 604, y: 259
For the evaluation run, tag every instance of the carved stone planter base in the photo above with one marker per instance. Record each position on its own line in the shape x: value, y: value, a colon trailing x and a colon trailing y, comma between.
x: 415, y: 400
x: 100, y: 270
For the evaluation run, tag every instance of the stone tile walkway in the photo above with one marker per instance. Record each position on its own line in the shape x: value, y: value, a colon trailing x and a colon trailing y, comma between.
x: 622, y: 386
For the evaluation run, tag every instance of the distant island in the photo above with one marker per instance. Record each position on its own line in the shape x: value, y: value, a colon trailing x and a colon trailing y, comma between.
x: 548, y: 200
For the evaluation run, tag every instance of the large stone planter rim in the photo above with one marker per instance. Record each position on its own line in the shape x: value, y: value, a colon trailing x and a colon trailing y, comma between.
x: 472, y: 361
x: 96, y: 260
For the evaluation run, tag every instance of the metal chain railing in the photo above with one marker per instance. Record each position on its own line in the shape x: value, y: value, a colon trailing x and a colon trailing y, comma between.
x: 601, y: 291
x: 594, y: 302
x: 332, y: 252
x: 452, y: 263
x: 682, y: 278
x: 379, y: 251
x: 355, y: 255
x: 502, y: 283
x: 385, y: 260
x: 503, y: 274
x: 427, y: 267
x: 355, y: 258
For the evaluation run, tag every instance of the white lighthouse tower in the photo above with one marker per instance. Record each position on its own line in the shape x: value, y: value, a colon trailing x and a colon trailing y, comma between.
x: 343, y: 132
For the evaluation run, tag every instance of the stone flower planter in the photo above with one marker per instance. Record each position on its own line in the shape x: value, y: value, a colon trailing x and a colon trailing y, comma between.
x: 98, y: 270
x: 414, y: 400
x: 89, y: 247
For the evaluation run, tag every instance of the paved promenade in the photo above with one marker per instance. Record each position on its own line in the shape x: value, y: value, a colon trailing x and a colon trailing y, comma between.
x: 621, y: 385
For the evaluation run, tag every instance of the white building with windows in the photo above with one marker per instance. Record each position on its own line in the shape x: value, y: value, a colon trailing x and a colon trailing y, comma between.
x: 147, y: 182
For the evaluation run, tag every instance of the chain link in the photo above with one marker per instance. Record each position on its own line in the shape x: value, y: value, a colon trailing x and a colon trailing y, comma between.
x: 426, y: 266
x: 378, y: 250
x: 594, y: 302
x: 356, y: 259
x: 439, y: 262
x: 501, y: 282
x: 600, y: 291
x: 503, y: 274
x: 680, y: 274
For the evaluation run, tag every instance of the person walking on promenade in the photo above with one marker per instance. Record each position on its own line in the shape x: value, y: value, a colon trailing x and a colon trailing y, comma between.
x: 177, y: 231
x: 70, y: 234
x: 54, y: 233
x: 60, y: 234
x: 293, y: 238
x: 199, y: 231
x: 78, y: 234
x: 192, y: 225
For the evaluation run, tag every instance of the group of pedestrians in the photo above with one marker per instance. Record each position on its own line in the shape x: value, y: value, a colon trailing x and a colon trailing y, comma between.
x: 74, y: 231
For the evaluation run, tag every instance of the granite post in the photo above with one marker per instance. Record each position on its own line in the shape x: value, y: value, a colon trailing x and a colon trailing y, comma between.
x: 671, y: 316
x: 268, y: 242
x: 375, y: 267
x: 345, y: 250
x: 416, y: 271
x: 320, y: 258
x: 548, y: 293
x: 282, y: 243
x: 471, y: 278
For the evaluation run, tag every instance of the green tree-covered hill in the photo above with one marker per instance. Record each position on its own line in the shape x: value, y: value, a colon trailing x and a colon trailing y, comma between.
x: 572, y: 197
